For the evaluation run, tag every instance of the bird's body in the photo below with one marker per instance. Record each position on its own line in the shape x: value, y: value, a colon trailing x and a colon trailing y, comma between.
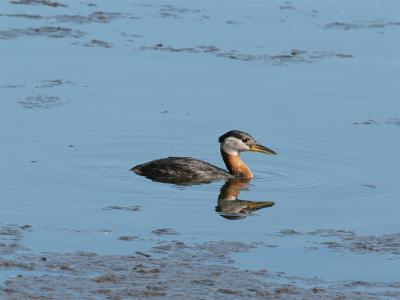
x: 181, y: 170
x: 187, y: 170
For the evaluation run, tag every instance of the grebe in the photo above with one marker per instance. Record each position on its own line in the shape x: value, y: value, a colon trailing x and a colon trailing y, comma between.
x: 187, y: 170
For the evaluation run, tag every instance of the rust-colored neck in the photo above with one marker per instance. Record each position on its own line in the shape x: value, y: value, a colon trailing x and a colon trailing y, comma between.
x: 236, y: 166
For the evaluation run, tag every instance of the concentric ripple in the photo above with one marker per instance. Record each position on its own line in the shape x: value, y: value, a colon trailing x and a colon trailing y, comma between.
x: 313, y: 174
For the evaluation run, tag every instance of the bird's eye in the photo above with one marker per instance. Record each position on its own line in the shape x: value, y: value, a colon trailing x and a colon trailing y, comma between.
x: 245, y: 140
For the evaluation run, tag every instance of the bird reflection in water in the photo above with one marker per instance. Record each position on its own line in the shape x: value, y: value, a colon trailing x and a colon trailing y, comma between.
x: 232, y: 208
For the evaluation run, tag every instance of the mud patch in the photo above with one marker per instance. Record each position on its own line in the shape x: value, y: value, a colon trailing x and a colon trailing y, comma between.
x: 47, y: 31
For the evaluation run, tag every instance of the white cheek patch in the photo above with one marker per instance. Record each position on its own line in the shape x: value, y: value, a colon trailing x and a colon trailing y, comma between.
x: 233, y: 146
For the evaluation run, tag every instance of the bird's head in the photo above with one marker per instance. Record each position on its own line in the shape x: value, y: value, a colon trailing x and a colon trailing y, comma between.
x: 236, y: 141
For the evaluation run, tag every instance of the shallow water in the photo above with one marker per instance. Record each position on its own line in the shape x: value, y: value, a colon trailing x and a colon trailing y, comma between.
x: 317, y: 82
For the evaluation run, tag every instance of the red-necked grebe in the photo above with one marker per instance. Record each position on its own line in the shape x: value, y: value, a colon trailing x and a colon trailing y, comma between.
x: 187, y: 169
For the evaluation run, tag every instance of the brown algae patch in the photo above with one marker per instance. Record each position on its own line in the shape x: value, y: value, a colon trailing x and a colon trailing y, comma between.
x: 172, y: 270
x: 370, y: 186
x: 98, y: 43
x: 128, y: 237
x: 181, y: 272
x: 171, y: 11
x: 41, y: 101
x: 292, y: 56
x: 391, y: 121
x: 50, y: 83
x: 94, y: 17
x: 287, y: 7
x: 47, y: 31
x: 347, y: 240
x: 25, y: 16
x: 123, y: 208
x: 47, y: 83
x: 360, y: 25
x: 366, y: 122
x: 39, y: 2
x: 12, y: 86
x: 10, y: 237
x: 164, y: 231
x: 12, y: 264
x: 40, y: 84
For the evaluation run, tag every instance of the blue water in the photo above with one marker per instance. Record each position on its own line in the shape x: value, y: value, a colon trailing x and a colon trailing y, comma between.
x: 127, y: 105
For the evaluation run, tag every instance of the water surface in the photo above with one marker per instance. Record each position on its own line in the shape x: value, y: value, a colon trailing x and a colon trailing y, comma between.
x: 317, y: 82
